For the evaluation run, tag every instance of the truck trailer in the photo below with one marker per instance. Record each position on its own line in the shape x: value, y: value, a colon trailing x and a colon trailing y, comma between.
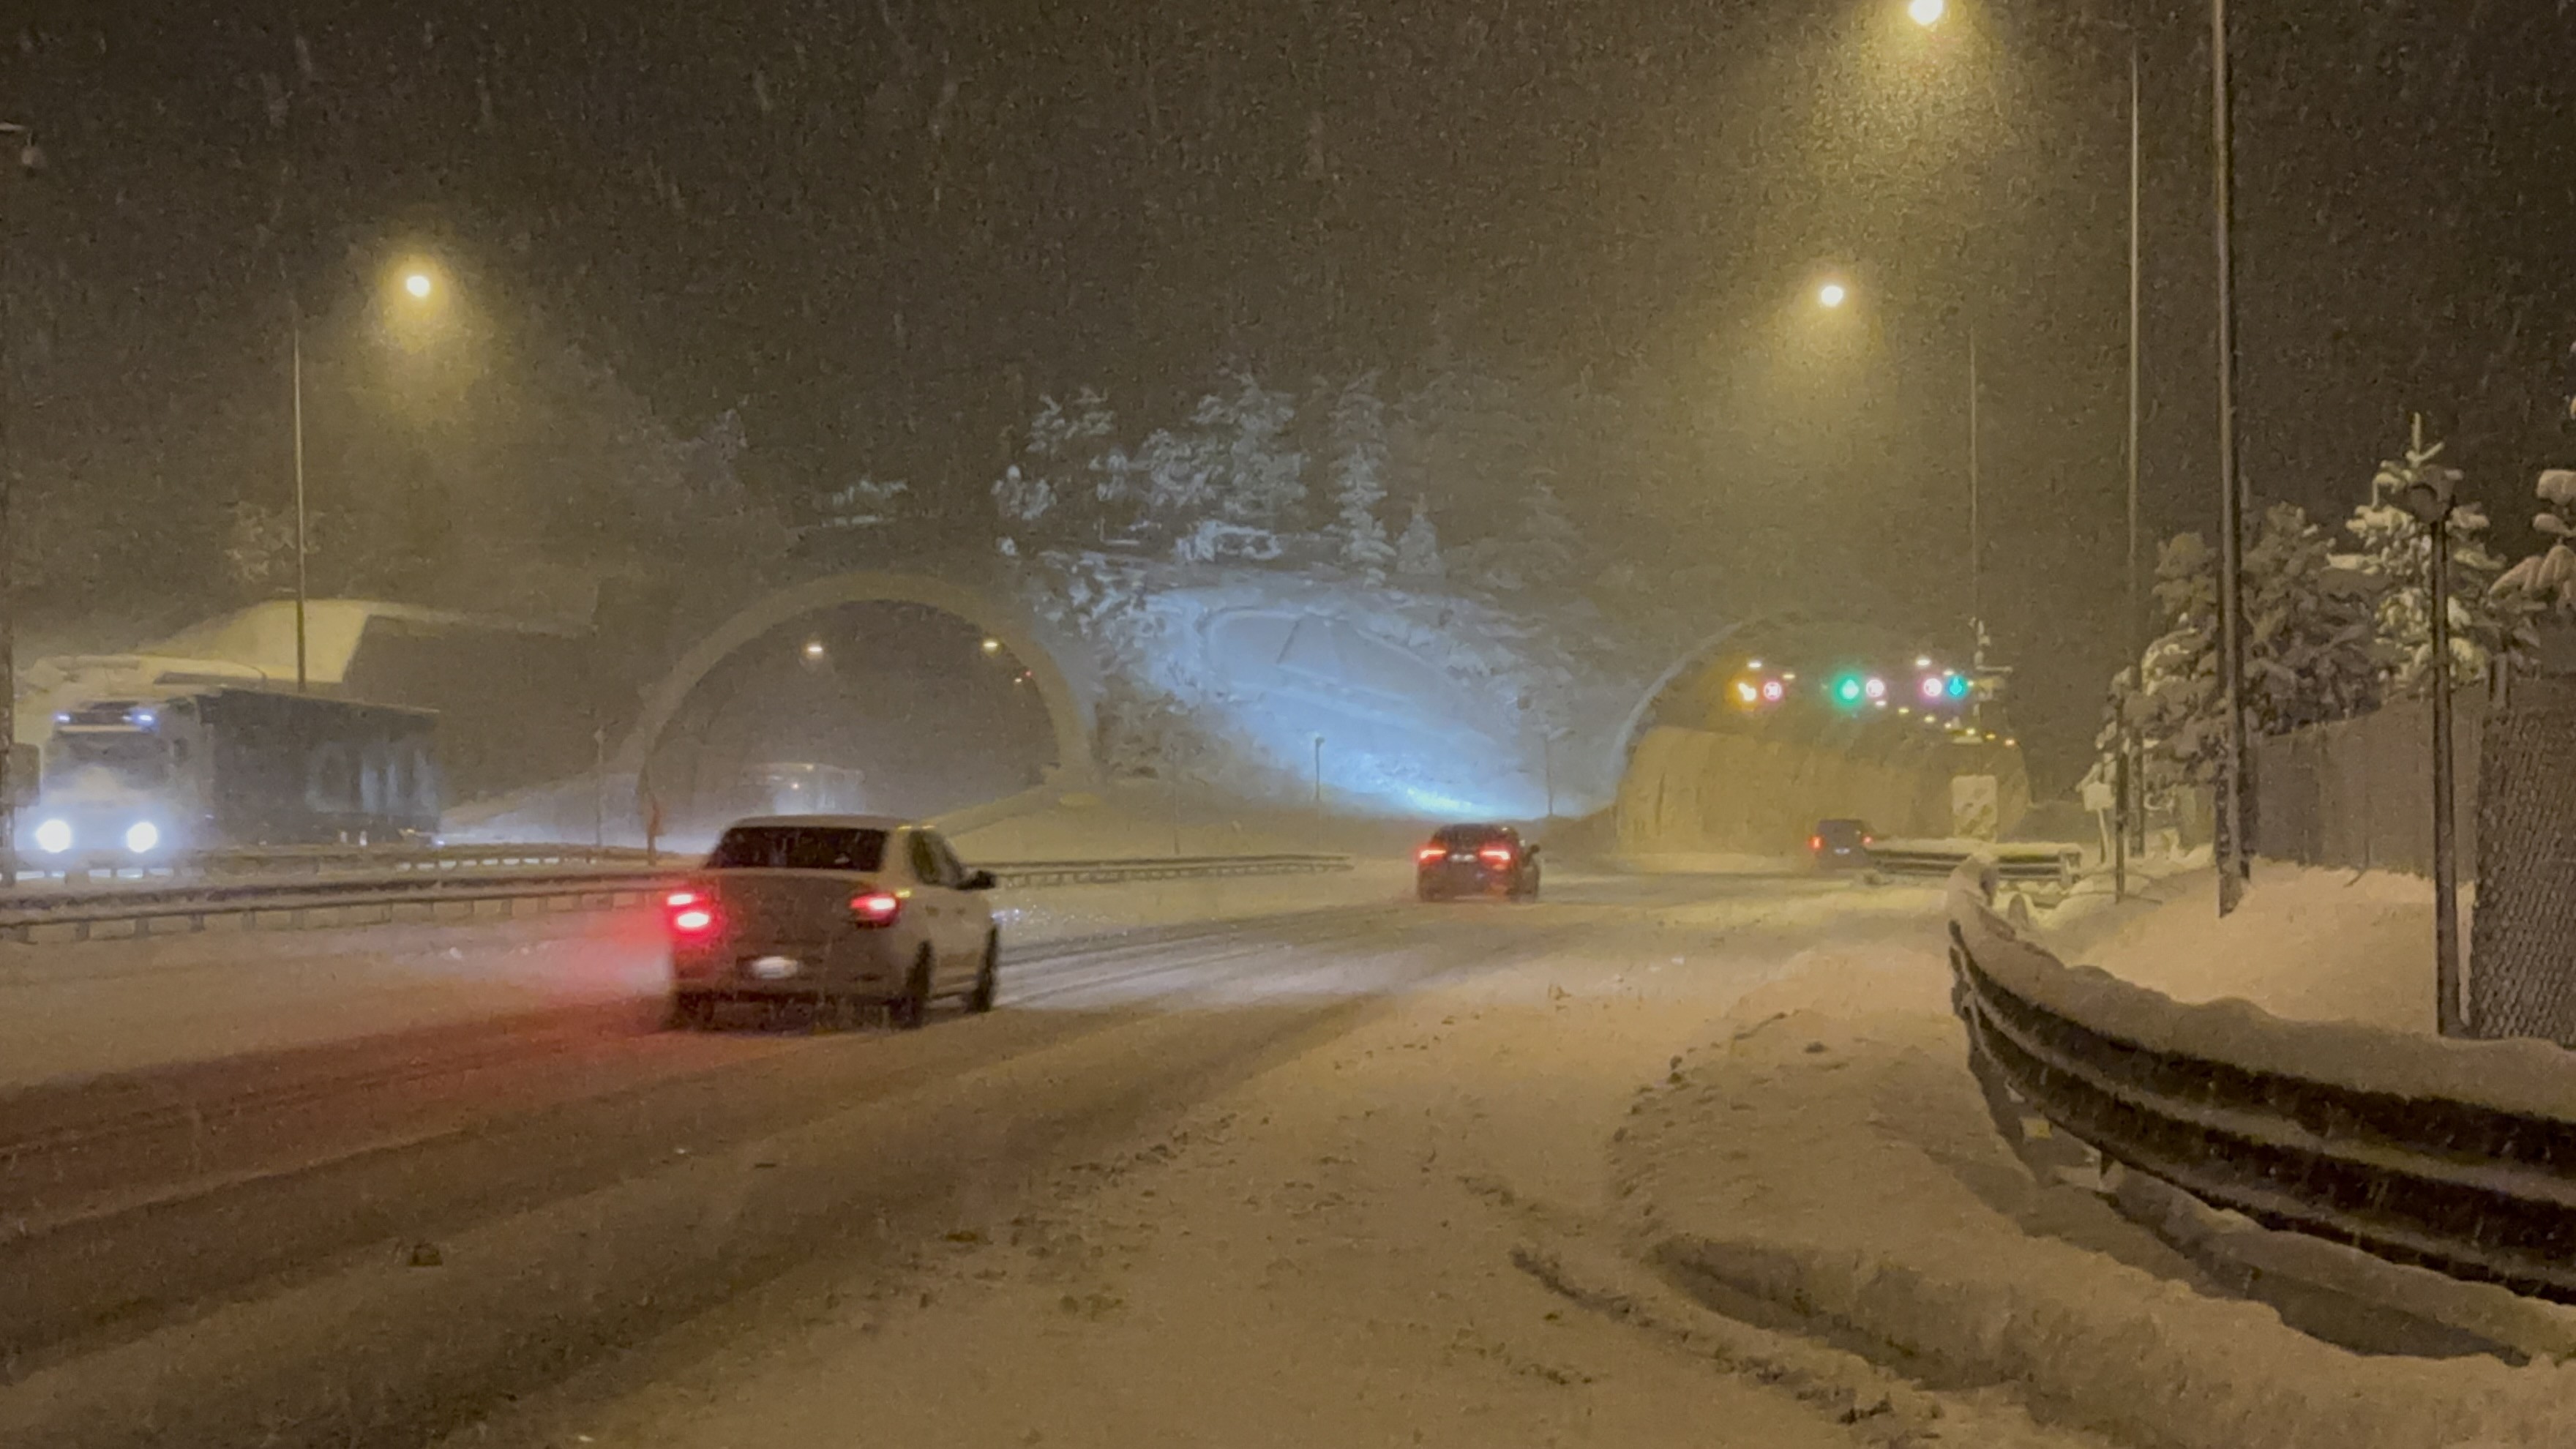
x: 166, y: 773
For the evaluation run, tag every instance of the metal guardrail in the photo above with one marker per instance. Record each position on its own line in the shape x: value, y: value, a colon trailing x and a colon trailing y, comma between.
x: 2477, y: 1181
x: 2030, y: 864
x: 309, y: 860
x: 1176, y: 867
x: 497, y: 873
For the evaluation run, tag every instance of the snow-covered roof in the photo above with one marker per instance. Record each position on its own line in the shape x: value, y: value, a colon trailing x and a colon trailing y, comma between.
x: 261, y: 638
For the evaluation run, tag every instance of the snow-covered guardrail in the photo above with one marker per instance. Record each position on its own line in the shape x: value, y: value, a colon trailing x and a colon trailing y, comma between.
x: 2029, y: 863
x: 313, y: 860
x: 1025, y: 873
x: 350, y: 896
x: 2453, y: 1155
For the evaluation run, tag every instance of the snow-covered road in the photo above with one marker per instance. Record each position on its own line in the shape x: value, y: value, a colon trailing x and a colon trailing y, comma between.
x: 1334, y: 1170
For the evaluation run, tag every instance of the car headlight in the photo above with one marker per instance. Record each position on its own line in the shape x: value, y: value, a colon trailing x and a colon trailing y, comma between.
x: 141, y: 836
x: 54, y: 837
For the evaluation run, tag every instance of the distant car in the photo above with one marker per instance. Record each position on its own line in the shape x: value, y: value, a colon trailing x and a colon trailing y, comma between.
x: 1476, y: 860
x: 843, y: 912
x: 1841, y: 845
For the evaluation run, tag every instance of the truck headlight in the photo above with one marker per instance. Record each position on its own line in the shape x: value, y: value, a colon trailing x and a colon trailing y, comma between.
x: 54, y: 837
x: 141, y: 836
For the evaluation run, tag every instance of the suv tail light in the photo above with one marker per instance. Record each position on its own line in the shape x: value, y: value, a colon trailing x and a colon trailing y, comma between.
x: 1495, y: 855
x: 1430, y: 853
x: 689, y: 914
x: 875, y: 908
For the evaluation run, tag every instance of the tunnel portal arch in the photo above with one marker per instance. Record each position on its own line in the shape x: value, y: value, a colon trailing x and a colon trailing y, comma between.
x: 1067, y: 715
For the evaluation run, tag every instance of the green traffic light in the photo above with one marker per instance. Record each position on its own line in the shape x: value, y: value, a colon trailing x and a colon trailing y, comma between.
x: 1847, y: 689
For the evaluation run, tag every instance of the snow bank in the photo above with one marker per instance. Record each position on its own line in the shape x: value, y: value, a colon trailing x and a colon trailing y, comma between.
x: 1828, y: 1161
x: 2536, y: 1078
x: 2308, y: 944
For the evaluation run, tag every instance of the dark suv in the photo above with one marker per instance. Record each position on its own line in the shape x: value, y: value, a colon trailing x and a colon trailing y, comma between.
x: 1476, y: 860
x: 1841, y: 845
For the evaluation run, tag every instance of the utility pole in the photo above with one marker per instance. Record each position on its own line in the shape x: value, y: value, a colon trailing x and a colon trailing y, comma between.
x: 1319, y: 792
x: 2235, y: 861
x: 2124, y: 769
x: 295, y: 341
x: 2430, y: 495
x: 1976, y: 535
x: 29, y: 160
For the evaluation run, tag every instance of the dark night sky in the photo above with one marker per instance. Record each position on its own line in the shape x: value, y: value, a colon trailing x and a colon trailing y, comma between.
x: 883, y: 228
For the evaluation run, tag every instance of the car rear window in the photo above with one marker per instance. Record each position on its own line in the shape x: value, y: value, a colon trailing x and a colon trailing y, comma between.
x: 798, y: 847
x: 1470, y: 834
x: 1842, y: 832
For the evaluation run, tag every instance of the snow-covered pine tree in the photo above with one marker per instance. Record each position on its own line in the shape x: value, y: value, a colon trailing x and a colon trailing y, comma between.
x: 1359, y: 478
x: 1262, y: 480
x: 2547, y: 580
x: 1069, y: 450
x: 2394, y: 552
x: 1417, y: 549
x: 1019, y: 501
x: 2309, y: 651
x: 1546, y: 545
x: 259, y: 547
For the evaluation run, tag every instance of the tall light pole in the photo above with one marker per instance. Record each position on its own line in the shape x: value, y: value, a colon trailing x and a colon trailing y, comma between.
x: 2125, y: 782
x: 295, y: 352
x: 29, y: 159
x: 2235, y: 860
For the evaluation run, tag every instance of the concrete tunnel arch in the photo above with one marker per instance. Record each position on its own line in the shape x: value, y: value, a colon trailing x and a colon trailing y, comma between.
x: 1066, y: 713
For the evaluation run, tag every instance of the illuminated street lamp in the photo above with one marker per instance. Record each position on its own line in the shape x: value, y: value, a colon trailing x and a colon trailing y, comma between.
x: 1927, y: 13
x: 992, y: 646
x: 1832, y: 294
x: 419, y: 285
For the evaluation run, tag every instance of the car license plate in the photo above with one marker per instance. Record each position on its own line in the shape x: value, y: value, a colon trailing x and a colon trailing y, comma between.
x: 773, y: 968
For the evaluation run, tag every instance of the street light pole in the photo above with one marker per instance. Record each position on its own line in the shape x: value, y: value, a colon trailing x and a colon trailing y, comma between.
x: 28, y: 160
x: 295, y: 326
x: 2124, y: 769
x: 2235, y: 859
x: 1976, y: 491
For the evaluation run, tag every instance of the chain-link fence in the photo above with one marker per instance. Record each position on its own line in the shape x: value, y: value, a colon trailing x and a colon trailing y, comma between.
x: 2522, y: 974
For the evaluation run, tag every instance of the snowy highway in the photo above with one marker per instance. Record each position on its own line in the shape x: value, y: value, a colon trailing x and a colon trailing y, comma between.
x: 1295, y: 1137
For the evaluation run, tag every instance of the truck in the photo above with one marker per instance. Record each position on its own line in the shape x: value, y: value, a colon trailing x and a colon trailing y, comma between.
x: 163, y: 773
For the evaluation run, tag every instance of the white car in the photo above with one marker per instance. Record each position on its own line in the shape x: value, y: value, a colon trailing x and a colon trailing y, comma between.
x: 845, y: 912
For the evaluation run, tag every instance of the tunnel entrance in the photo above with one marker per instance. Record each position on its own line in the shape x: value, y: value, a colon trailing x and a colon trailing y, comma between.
x: 876, y: 706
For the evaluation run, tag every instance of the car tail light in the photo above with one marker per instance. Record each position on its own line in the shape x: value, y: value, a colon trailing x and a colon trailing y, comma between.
x: 1495, y: 855
x: 690, y: 915
x: 1869, y: 840
x: 677, y: 899
x: 1815, y: 842
x: 1430, y: 853
x: 875, y: 908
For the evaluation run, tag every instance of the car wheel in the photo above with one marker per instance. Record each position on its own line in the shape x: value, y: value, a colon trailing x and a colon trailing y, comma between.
x: 911, y: 1011
x: 988, y: 977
